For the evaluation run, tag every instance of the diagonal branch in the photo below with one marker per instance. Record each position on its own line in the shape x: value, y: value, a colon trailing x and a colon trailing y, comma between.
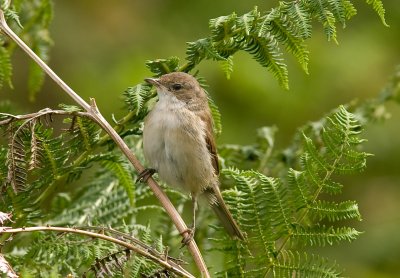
x: 164, y: 262
x: 99, y: 119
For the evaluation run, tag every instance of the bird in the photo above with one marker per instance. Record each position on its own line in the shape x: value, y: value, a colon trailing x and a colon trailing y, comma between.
x: 178, y: 144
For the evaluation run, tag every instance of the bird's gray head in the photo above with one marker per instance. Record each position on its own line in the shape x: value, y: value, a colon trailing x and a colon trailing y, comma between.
x: 179, y: 84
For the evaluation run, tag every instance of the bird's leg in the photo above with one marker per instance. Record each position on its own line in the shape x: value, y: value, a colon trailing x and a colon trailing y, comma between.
x: 190, y: 231
x: 145, y: 175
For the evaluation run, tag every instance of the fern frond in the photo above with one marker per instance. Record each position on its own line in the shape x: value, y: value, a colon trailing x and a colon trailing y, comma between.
x: 349, y: 8
x: 338, y: 10
x: 299, y: 16
x: 266, y: 52
x: 326, y: 17
x: 263, y: 195
x: 199, y: 50
x: 281, y: 26
x: 331, y: 211
x: 227, y: 66
x: 296, y: 264
x: 322, y: 235
x: 137, y: 96
x: 121, y: 171
x: 12, y: 15
x: 16, y: 160
x: 223, y: 27
x: 260, y: 34
x: 163, y: 66
x: 35, y: 149
x: 377, y: 5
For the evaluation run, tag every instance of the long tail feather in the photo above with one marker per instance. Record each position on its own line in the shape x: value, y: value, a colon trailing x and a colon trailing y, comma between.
x: 216, y: 201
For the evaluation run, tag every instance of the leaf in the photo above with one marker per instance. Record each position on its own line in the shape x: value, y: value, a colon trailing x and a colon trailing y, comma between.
x: 137, y: 96
x: 322, y: 235
x: 333, y: 211
x: 163, y: 66
x: 227, y: 66
x: 296, y: 264
x: 266, y: 52
x: 377, y: 5
x: 201, y: 49
x: 121, y: 171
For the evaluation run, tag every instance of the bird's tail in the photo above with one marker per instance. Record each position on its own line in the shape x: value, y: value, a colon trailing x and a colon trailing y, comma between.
x: 214, y: 197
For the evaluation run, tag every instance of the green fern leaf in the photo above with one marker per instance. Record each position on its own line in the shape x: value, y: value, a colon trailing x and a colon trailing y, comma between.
x: 326, y: 17
x: 266, y: 52
x: 12, y: 15
x: 321, y: 235
x: 349, y: 8
x: 334, y: 211
x: 121, y: 171
x: 295, y: 264
x: 377, y: 5
x: 201, y: 49
x: 298, y: 13
x: 248, y: 21
x: 338, y: 10
x: 265, y: 198
x: 284, y: 32
x: 137, y: 96
x: 163, y: 66
x: 227, y: 66
x: 222, y: 27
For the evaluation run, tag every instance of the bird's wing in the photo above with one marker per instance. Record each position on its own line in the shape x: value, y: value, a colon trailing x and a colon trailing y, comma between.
x: 205, y: 116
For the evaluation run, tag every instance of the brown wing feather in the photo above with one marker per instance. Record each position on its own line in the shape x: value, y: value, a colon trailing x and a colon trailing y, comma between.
x: 213, y: 150
x: 206, y: 118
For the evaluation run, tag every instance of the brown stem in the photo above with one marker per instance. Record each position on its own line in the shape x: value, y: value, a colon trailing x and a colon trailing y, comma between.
x: 167, y: 264
x: 95, y: 114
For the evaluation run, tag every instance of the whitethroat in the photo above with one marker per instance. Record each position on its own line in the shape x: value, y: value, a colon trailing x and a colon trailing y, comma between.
x: 179, y: 144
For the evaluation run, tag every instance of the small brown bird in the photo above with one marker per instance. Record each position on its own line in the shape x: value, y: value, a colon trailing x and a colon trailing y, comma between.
x: 179, y: 144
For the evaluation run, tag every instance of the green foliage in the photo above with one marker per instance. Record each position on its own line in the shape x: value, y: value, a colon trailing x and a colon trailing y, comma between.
x: 137, y: 96
x: 45, y: 250
x: 281, y: 215
x: 30, y: 19
x: 282, y: 199
x: 377, y: 5
x: 163, y: 66
x: 262, y: 35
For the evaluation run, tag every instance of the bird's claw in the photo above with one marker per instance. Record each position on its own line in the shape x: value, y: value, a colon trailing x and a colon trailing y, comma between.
x: 145, y: 175
x: 188, y: 235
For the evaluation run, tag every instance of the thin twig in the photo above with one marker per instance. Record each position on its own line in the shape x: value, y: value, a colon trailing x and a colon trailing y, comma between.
x: 95, y: 114
x: 10, y: 118
x: 167, y: 264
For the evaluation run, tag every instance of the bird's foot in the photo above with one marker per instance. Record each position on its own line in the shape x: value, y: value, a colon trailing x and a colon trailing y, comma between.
x: 145, y: 175
x: 188, y: 235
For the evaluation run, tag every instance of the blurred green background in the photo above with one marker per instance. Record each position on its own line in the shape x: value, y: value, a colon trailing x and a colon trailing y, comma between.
x: 101, y: 46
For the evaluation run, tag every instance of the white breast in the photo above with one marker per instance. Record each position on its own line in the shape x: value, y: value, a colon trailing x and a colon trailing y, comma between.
x: 174, y: 144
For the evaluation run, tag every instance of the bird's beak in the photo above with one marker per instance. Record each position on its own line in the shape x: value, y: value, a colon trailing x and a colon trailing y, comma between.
x: 153, y: 81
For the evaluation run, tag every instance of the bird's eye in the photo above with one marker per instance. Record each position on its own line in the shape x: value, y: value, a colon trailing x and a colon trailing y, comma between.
x: 177, y: 86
